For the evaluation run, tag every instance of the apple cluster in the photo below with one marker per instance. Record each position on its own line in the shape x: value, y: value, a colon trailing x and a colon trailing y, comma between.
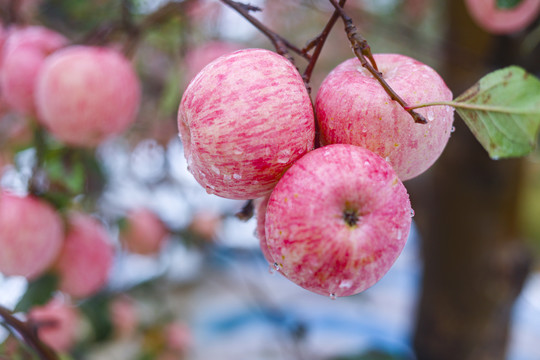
x: 332, y: 219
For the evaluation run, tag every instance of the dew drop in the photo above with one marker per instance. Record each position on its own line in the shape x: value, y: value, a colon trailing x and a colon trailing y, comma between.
x: 387, y: 159
x: 215, y: 169
x: 412, y: 212
x: 284, y: 156
x: 210, y: 189
x: 345, y: 284
x: 237, y: 176
x: 276, y: 266
x: 271, y: 269
x: 237, y: 151
x: 333, y: 296
x: 453, y: 129
x: 364, y: 130
x: 399, y: 235
x: 430, y: 115
x: 227, y: 177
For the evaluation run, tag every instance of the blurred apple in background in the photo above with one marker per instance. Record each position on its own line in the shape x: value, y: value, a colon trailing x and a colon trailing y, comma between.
x: 87, y: 94
x: 56, y: 323
x: 23, y: 55
x: 86, y: 257
x: 31, y: 235
x: 496, y: 20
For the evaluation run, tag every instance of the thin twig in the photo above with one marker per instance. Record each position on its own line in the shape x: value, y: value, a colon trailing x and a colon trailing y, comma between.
x: 247, y: 211
x: 362, y: 50
x: 282, y: 46
x: 28, y: 334
x: 318, y: 43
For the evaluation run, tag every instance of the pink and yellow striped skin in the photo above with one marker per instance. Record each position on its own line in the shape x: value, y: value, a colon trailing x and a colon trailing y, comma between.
x: 353, y: 108
x: 306, y: 229
x: 243, y: 121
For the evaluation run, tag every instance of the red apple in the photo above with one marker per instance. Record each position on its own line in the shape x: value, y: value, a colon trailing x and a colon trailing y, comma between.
x: 31, y: 235
x: 56, y: 323
x: 503, y: 21
x: 86, y: 94
x: 353, y: 108
x: 86, y: 257
x: 23, y: 55
x: 144, y: 233
x: 337, y: 220
x: 243, y: 120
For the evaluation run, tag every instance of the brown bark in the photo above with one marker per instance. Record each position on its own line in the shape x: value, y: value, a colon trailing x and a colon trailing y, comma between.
x: 475, y: 261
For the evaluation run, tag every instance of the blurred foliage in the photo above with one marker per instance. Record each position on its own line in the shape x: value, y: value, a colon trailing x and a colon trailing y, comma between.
x: 38, y: 292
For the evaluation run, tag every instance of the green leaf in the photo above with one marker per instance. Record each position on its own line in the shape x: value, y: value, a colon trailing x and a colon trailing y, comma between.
x: 39, y: 292
x: 508, y: 4
x: 503, y: 111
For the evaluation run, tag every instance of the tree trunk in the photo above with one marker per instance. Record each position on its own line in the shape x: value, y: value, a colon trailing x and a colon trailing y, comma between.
x: 475, y: 261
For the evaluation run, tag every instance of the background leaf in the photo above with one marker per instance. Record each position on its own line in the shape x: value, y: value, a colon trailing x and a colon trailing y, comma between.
x: 503, y: 111
x: 39, y: 292
x: 508, y: 4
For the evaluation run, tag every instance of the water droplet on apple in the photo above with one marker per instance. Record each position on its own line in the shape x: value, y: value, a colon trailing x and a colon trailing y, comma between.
x: 387, y: 159
x: 364, y: 130
x: 399, y: 235
x: 345, y: 284
x: 237, y: 151
x: 215, y: 169
x: 227, y: 177
x: 333, y: 296
x: 412, y: 212
x: 453, y: 129
x: 430, y: 115
x: 237, y: 176
x: 284, y: 156
x: 276, y: 266
x: 210, y: 189
x: 271, y: 269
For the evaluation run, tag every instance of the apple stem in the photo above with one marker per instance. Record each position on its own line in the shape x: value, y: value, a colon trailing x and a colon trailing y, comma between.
x: 282, y: 45
x: 362, y: 50
x: 29, y: 334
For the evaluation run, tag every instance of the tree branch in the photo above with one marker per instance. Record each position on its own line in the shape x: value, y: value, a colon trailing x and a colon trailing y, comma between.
x: 28, y: 334
x: 362, y: 51
x: 318, y: 43
x: 282, y: 46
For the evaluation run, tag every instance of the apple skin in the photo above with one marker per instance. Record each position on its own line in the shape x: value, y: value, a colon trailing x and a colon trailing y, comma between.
x: 260, y: 216
x: 57, y: 323
x: 503, y: 21
x: 31, y: 235
x: 23, y: 54
x: 145, y: 233
x: 306, y: 228
x: 244, y: 120
x: 86, y: 257
x: 353, y: 108
x: 86, y: 94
